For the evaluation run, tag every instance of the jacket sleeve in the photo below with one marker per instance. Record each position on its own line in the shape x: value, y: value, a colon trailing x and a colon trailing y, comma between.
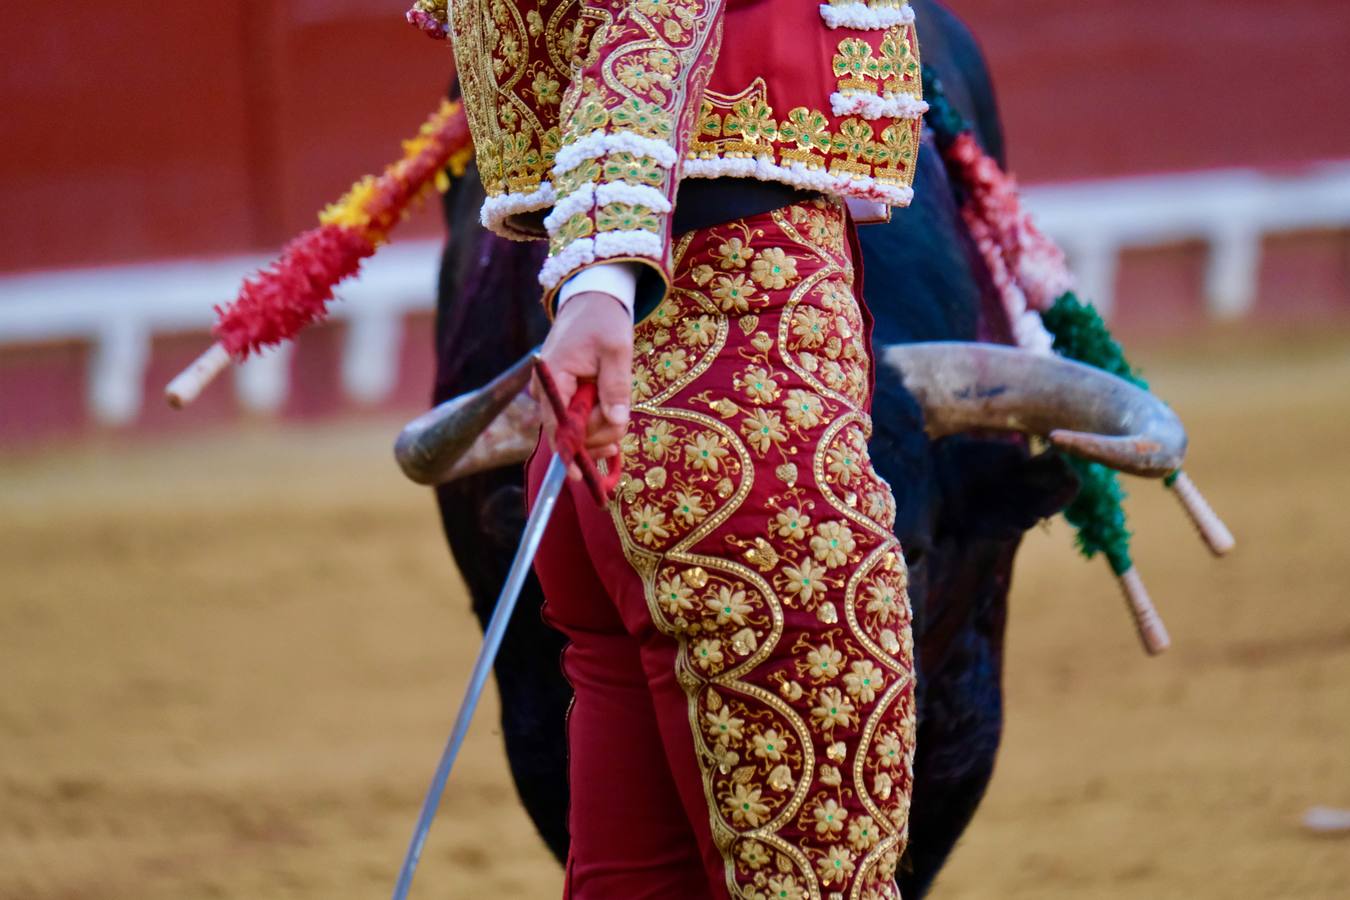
x: 628, y: 118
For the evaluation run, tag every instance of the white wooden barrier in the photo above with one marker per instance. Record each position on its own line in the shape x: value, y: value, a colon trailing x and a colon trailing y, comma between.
x: 1231, y: 210
x: 119, y: 308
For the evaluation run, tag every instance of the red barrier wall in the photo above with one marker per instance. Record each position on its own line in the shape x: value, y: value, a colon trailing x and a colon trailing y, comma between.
x: 161, y: 129
x: 1097, y: 89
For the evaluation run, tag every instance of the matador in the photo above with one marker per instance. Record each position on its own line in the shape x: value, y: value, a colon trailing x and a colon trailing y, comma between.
x: 738, y: 625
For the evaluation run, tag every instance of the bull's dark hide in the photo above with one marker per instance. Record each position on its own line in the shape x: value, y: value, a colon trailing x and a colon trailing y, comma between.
x: 962, y: 503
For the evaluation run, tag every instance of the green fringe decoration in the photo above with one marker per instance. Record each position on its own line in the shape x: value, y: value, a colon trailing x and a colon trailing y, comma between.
x: 1097, y: 514
x: 1081, y: 335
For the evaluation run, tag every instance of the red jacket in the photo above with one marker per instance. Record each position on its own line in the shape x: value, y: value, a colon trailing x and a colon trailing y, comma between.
x: 591, y: 111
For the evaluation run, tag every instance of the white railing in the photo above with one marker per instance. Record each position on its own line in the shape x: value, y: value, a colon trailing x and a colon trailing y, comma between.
x: 1230, y: 210
x: 119, y: 309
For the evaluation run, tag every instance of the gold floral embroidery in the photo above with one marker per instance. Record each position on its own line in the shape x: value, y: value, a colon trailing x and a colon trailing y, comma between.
x: 798, y: 796
x: 630, y: 168
x: 626, y: 217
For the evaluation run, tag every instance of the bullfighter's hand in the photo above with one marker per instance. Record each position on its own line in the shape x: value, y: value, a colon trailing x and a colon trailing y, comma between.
x: 592, y: 340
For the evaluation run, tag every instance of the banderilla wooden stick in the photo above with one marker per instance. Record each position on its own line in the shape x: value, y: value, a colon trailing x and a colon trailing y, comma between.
x: 1212, y: 530
x: 190, y: 382
x: 1152, y: 631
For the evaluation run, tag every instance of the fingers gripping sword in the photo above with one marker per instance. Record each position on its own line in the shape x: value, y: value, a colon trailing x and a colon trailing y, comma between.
x: 569, y: 441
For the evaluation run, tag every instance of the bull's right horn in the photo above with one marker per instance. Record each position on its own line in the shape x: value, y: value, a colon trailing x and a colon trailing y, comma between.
x: 1080, y: 409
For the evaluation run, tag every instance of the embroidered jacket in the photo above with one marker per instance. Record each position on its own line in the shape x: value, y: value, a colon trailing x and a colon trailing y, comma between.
x: 587, y: 113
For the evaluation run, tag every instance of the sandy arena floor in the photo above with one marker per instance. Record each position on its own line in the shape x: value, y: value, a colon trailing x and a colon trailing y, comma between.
x: 228, y: 665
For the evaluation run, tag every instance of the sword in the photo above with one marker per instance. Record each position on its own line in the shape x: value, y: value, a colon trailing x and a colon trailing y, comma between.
x: 569, y: 441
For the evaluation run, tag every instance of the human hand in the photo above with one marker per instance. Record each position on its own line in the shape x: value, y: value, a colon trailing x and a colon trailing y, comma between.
x: 592, y: 340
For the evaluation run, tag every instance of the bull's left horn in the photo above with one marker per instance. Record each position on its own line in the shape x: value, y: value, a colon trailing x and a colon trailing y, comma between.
x: 1080, y: 409
x: 448, y: 441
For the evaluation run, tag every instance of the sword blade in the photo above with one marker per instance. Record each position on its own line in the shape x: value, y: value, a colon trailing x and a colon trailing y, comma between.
x: 552, y: 486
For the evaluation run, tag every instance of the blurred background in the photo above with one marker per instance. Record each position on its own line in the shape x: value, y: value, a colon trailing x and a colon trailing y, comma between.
x: 231, y: 638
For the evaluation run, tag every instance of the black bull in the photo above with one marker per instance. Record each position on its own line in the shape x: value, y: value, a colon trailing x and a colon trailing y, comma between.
x: 963, y: 503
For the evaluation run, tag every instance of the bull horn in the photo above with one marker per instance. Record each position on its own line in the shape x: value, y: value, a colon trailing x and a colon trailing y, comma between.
x: 479, y: 430
x: 1080, y: 409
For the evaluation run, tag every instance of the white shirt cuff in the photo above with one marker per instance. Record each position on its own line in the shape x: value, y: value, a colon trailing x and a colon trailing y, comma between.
x: 868, y: 212
x: 618, y: 279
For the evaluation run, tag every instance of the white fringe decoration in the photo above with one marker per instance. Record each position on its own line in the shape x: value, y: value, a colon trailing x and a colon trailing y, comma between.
x: 864, y: 17
x: 608, y: 244
x: 599, y: 143
x: 878, y: 106
x: 497, y: 209
x: 798, y: 175
x: 1030, y: 333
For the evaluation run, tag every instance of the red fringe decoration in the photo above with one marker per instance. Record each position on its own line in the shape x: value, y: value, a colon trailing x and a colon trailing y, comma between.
x: 994, y: 213
x: 293, y: 291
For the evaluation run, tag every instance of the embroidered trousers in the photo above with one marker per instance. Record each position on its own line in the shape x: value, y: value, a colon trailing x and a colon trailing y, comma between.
x: 738, y: 624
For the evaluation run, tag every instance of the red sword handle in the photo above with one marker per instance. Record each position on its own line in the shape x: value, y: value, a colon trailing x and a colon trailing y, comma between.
x: 570, y: 437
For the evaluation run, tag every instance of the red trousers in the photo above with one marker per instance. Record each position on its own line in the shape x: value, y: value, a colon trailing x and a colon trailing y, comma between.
x: 738, y: 624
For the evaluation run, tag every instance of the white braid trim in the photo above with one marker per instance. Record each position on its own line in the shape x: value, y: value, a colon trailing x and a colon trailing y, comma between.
x: 496, y: 210
x: 606, y: 245
x: 579, y: 201
x: 600, y: 143
x: 590, y: 195
x: 628, y: 243
x: 798, y: 175
x: 622, y: 192
x: 878, y: 106
x: 864, y: 17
